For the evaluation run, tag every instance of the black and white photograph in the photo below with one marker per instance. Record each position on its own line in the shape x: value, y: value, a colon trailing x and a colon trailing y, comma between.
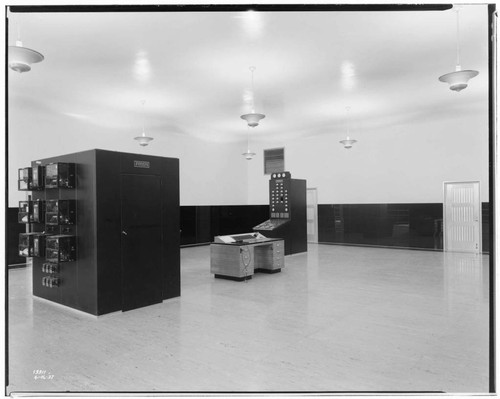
x: 250, y: 199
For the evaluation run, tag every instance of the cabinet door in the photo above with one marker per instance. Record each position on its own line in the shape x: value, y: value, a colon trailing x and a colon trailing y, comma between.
x: 141, y: 240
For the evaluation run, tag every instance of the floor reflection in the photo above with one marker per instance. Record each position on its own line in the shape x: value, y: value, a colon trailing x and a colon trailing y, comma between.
x: 466, y: 277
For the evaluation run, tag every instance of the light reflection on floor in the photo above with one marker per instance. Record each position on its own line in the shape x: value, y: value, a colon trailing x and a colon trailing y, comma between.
x: 337, y: 318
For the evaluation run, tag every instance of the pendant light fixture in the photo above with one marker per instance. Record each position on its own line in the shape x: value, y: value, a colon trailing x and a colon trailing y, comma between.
x: 249, y: 154
x: 21, y: 58
x: 253, y: 118
x: 143, y: 139
x: 458, y: 80
x: 347, y: 142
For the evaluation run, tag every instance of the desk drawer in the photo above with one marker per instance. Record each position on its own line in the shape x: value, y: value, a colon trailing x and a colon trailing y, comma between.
x: 279, y: 249
x: 270, y: 257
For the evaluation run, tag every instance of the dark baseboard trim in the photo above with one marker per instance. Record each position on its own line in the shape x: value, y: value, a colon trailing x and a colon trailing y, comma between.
x: 346, y: 244
x: 224, y: 277
x: 341, y: 244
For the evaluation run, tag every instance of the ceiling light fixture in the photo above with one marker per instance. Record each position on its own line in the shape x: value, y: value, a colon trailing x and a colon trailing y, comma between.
x: 348, y: 142
x: 143, y: 139
x: 21, y: 58
x: 249, y: 154
x: 253, y: 118
x: 458, y: 79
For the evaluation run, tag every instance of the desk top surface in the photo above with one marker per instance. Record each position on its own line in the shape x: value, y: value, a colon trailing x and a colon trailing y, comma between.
x: 259, y: 241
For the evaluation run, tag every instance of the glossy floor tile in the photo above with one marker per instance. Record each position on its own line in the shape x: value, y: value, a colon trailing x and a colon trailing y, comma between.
x: 335, y: 319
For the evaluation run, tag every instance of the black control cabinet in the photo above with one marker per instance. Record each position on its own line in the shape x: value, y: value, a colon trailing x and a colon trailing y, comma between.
x: 287, y: 211
x: 112, y: 224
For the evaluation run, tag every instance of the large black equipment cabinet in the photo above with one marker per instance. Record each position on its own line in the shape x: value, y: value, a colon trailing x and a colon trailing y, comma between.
x: 287, y: 211
x: 111, y: 232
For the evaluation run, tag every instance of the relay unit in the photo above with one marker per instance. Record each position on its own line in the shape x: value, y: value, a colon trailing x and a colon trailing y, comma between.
x: 60, y: 248
x: 25, y: 212
x: 60, y: 175
x: 60, y: 211
x: 25, y: 179
x: 32, y: 244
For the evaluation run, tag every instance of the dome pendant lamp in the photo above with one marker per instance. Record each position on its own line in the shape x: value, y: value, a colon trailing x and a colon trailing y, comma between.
x: 348, y: 142
x: 458, y: 80
x: 249, y: 154
x: 143, y: 139
x: 21, y: 58
x: 253, y: 118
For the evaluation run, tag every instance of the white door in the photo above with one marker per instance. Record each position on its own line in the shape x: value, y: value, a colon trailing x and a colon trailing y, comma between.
x: 462, y: 217
x: 312, y: 215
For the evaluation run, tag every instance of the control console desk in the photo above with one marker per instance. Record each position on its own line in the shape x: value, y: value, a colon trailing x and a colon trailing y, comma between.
x: 239, y: 256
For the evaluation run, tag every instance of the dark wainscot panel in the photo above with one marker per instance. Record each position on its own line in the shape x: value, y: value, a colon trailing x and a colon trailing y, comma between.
x: 200, y: 224
x: 13, y: 230
x: 393, y: 225
x: 388, y: 225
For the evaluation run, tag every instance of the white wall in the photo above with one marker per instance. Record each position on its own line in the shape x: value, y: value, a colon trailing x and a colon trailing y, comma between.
x: 210, y: 173
x: 391, y: 163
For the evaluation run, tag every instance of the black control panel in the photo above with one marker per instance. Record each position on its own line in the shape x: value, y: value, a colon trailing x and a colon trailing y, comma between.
x: 279, y: 199
x: 287, y: 212
x: 270, y: 224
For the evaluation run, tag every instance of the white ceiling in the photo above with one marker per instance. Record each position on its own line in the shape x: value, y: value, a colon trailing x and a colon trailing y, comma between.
x: 192, y: 69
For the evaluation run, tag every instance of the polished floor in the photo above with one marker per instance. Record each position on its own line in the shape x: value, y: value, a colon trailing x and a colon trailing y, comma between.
x: 335, y: 319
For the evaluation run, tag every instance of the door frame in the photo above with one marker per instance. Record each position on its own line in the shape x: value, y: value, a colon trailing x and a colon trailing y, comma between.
x: 479, y: 219
x: 316, y: 221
